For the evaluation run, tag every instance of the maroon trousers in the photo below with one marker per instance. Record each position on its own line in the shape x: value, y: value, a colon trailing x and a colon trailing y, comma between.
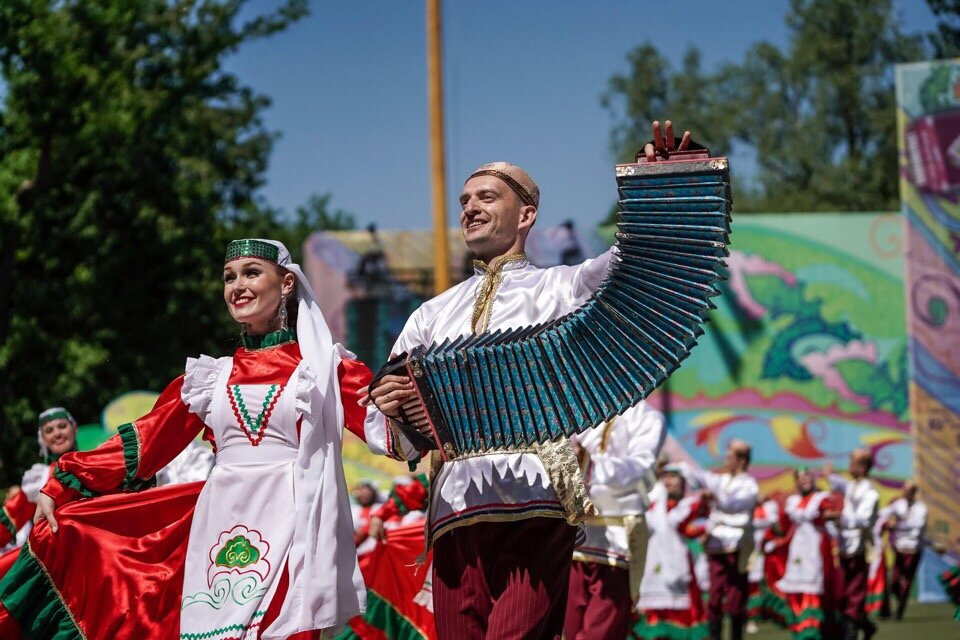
x: 599, y: 605
x: 904, y: 569
x: 853, y: 575
x: 726, y: 580
x: 494, y: 580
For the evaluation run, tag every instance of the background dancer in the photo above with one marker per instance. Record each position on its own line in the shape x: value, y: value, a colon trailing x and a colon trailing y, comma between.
x: 809, y: 573
x: 671, y: 605
x: 906, y: 521
x: 761, y: 600
x: 56, y: 435
x: 617, y: 458
x: 732, y: 497
x: 855, y: 524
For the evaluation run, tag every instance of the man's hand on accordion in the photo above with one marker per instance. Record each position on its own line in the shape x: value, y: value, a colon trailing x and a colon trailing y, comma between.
x: 397, y: 399
x: 663, y: 145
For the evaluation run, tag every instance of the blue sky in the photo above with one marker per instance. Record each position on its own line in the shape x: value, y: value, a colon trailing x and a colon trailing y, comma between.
x: 523, y: 83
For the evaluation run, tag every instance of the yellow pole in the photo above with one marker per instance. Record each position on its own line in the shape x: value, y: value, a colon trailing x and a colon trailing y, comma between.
x: 438, y: 172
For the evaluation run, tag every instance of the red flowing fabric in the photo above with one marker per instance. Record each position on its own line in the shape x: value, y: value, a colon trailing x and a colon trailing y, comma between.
x: 19, y: 510
x: 392, y: 575
x: 117, y: 561
x: 7, y: 560
x: 877, y: 584
x: 9, y: 629
x: 161, y: 435
x: 354, y: 375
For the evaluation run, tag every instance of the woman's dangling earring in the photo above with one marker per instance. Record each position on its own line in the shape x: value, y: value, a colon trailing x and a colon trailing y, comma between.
x: 282, y: 312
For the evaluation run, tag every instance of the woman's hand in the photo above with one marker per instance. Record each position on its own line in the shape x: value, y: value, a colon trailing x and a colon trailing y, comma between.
x: 661, y: 144
x: 388, y: 396
x: 376, y: 530
x: 45, y: 508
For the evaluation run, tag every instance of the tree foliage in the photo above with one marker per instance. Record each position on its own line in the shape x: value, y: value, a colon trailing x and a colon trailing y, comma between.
x: 945, y: 40
x: 316, y: 214
x: 127, y: 156
x: 819, y: 114
x: 652, y: 88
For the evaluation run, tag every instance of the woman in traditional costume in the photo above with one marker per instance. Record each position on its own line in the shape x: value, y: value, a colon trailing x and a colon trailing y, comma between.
x: 764, y: 603
x: 809, y: 574
x: 670, y: 604
x: 56, y: 435
x: 265, y: 548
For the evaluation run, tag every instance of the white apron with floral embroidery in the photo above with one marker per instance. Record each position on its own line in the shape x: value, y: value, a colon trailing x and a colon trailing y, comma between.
x: 244, y: 522
x: 804, y: 569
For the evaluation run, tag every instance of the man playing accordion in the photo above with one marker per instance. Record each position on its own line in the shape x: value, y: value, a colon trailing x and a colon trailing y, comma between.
x: 499, y: 521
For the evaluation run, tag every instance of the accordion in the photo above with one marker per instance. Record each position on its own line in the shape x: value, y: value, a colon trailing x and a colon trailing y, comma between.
x: 511, y: 389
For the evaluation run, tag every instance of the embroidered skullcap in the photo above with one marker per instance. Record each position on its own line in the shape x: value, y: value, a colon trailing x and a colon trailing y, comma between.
x: 516, y: 178
x: 54, y: 413
x: 269, y: 250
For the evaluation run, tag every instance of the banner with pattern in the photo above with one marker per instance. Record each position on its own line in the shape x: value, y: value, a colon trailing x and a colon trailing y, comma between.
x: 928, y: 119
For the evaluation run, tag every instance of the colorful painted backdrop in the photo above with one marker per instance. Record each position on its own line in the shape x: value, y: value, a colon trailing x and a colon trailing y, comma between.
x: 928, y: 99
x: 806, y: 353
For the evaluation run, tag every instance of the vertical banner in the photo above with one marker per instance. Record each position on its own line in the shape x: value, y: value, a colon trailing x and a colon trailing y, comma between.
x: 928, y: 129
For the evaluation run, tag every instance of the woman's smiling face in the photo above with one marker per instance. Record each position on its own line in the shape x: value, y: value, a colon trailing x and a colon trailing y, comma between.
x: 59, y: 436
x: 252, y: 289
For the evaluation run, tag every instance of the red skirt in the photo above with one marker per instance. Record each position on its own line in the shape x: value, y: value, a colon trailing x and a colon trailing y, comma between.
x: 114, y: 569
x: 675, y: 624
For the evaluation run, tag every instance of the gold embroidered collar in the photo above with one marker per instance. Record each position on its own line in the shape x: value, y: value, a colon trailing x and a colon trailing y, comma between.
x: 487, y: 291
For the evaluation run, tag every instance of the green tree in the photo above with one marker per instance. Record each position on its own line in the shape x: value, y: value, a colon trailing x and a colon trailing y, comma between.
x: 945, y: 40
x: 316, y: 214
x: 819, y: 114
x: 126, y: 155
x: 653, y: 90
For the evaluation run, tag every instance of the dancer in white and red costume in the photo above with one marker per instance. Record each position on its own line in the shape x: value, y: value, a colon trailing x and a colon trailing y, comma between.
x: 670, y: 604
x: 810, y: 573
x: 763, y: 602
x: 56, y: 435
x: 270, y: 551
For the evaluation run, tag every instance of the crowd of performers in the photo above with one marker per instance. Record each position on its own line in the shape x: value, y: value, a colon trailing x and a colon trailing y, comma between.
x: 579, y: 538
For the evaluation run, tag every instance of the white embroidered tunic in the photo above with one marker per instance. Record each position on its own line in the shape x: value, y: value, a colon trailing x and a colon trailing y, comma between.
x: 503, y: 486
x: 911, y: 522
x: 730, y: 526
x: 859, y: 513
x: 622, y: 453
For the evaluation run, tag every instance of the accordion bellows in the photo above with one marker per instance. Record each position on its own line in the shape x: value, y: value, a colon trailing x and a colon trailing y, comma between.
x: 509, y: 390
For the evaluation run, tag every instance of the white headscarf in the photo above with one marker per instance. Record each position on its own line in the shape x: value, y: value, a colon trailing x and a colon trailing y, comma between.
x: 326, y: 588
x: 53, y: 413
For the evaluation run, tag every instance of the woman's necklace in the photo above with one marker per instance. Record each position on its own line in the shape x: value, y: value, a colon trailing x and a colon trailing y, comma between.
x: 253, y: 429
